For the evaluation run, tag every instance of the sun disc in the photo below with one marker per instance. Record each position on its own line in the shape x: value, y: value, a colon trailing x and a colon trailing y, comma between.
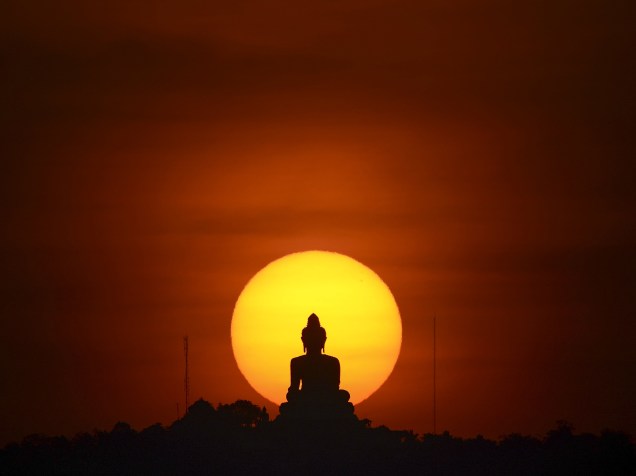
x: 357, y: 309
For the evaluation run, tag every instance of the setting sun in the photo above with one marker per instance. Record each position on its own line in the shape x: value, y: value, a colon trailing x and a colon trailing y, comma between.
x: 355, y: 306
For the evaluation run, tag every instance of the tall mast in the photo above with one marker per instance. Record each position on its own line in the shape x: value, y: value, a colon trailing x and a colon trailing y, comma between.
x: 186, y: 381
x: 434, y: 375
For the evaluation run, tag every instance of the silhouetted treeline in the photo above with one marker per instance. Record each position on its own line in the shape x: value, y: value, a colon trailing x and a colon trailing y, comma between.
x: 239, y: 439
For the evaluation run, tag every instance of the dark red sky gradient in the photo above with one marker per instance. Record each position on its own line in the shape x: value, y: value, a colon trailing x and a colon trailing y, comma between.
x: 479, y: 156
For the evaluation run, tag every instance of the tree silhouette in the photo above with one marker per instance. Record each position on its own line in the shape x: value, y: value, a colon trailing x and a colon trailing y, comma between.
x: 236, y: 439
x: 242, y: 413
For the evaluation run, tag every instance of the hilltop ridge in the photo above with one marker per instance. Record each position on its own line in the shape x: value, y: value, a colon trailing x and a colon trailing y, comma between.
x: 239, y: 438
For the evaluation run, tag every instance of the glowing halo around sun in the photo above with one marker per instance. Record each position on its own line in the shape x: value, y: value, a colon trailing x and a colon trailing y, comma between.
x: 357, y: 309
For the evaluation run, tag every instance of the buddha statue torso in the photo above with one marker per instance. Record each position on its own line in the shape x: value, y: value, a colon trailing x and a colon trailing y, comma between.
x: 318, y: 373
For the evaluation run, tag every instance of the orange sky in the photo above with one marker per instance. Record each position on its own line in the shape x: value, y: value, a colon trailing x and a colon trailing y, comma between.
x: 479, y: 157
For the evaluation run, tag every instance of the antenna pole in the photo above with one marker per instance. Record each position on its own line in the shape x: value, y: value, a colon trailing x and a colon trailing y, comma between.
x: 186, y: 381
x: 434, y: 375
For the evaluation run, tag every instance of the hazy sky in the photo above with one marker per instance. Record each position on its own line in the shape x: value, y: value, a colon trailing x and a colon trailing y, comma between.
x: 479, y: 156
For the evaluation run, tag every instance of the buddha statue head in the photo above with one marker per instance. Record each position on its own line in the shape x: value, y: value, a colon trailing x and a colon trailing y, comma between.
x: 313, y: 336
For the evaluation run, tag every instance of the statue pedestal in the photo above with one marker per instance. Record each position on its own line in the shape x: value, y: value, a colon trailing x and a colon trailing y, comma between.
x: 305, y: 406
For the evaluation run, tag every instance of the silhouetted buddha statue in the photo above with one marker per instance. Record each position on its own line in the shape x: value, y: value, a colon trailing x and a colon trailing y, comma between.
x: 315, y: 379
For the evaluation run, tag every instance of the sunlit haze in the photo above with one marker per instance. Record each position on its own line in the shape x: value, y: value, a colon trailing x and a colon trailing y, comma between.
x: 477, y: 156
